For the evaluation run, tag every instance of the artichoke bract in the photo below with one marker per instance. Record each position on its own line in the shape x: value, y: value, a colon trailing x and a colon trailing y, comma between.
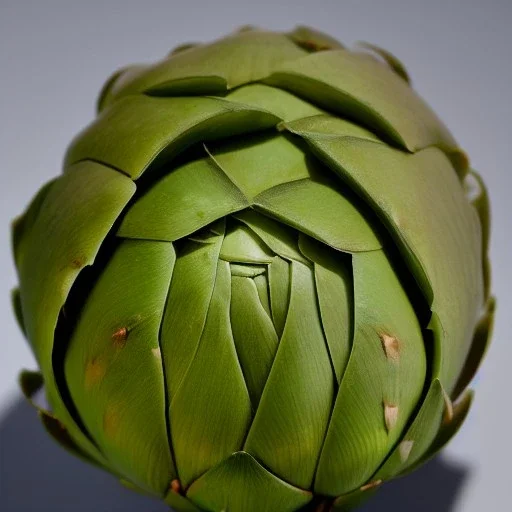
x: 261, y: 282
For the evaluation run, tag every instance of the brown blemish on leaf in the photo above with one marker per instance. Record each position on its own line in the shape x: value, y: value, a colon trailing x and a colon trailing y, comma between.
x: 119, y: 337
x: 111, y: 421
x: 370, y: 485
x: 78, y: 263
x: 175, y: 486
x: 404, y: 450
x: 312, y: 46
x: 391, y: 347
x: 390, y: 415
x: 94, y: 372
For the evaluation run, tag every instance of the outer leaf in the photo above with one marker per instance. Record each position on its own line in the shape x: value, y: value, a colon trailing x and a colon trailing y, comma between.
x: 241, y: 484
x: 30, y: 384
x: 422, y: 203
x: 116, y: 337
x: 17, y: 308
x: 382, y: 383
x: 368, y: 91
x: 335, y: 292
x: 261, y: 162
x: 322, y: 210
x: 213, y: 68
x: 448, y: 429
x: 478, y: 349
x: 210, y: 412
x: 393, y: 62
x: 281, y: 103
x: 22, y: 226
x: 313, y: 40
x: 255, y: 337
x: 64, y: 239
x: 289, y: 425
x: 418, y: 437
x: 477, y: 194
x: 200, y: 194
x: 139, y: 130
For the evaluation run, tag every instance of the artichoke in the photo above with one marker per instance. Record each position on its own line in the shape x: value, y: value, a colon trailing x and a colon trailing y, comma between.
x: 261, y: 282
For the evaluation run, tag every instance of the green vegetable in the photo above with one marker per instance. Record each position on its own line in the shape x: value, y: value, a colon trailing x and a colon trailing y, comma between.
x: 261, y: 283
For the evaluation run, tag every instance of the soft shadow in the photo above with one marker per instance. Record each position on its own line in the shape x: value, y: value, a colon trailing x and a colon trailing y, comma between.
x: 38, y: 475
x: 435, y: 487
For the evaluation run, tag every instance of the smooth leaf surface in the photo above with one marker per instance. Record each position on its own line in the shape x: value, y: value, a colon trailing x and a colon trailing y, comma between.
x: 382, y: 383
x: 367, y: 91
x: 182, y: 202
x: 319, y: 208
x: 437, y: 230
x: 335, y: 292
x: 116, y: 337
x: 241, y: 483
x: 187, y: 307
x: 254, y: 334
x: 419, y: 435
x: 213, y: 68
x: 64, y: 239
x: 211, y: 410
x: 289, y: 426
x: 137, y: 130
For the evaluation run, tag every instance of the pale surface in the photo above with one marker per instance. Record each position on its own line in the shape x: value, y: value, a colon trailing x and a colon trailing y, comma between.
x: 54, y: 57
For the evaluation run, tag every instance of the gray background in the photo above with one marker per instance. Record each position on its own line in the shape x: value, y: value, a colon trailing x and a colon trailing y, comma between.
x: 54, y: 56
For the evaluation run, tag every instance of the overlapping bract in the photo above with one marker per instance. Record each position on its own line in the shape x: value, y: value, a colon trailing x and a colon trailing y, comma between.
x: 262, y: 282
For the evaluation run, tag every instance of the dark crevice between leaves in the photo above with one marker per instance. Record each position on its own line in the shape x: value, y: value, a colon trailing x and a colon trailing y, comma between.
x: 338, y: 386
x: 167, y: 404
x: 70, y: 316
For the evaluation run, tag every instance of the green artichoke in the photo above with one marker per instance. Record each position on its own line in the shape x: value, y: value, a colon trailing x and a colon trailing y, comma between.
x: 261, y: 283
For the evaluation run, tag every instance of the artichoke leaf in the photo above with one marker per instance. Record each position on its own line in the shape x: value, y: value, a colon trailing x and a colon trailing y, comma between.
x: 476, y: 192
x: 213, y: 68
x: 211, y: 410
x: 279, y: 102
x: 383, y: 381
x: 319, y: 209
x: 17, y: 308
x: 241, y: 483
x: 450, y: 425
x: 289, y: 425
x: 418, y: 437
x: 282, y: 240
x: 138, y: 131
x: 63, y: 240
x: 479, y: 346
x: 254, y: 334
x: 441, y: 243
x: 31, y: 383
x: 201, y: 194
x: 313, y: 40
x: 391, y: 60
x: 118, y: 335
x: 335, y: 292
x: 367, y: 91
